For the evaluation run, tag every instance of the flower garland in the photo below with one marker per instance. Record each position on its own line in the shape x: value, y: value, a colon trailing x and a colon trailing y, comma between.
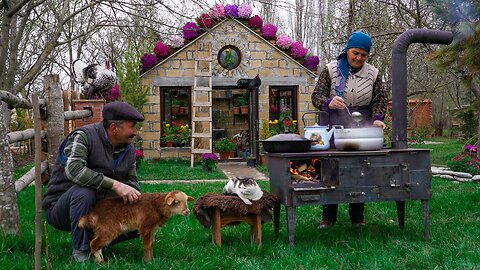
x: 284, y: 41
x: 269, y: 31
x: 161, y: 50
x: 190, y: 30
x: 205, y: 21
x: 231, y: 11
x: 219, y: 12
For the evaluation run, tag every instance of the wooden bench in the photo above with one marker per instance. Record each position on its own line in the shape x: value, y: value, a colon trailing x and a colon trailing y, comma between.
x: 221, y: 219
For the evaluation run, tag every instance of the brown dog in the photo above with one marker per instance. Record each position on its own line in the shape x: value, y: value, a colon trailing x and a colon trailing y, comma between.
x: 111, y: 217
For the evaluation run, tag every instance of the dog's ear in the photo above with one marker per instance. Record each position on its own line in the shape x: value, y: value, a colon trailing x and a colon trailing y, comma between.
x: 190, y: 199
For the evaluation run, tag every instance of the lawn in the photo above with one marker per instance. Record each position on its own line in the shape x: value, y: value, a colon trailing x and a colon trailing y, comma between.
x: 184, y: 244
x: 175, y: 170
x: 442, y: 152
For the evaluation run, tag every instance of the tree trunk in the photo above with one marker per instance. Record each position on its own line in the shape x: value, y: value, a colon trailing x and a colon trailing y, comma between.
x: 8, y: 197
x: 55, y: 119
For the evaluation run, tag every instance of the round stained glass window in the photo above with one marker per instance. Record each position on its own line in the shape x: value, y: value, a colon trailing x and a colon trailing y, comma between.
x: 229, y: 57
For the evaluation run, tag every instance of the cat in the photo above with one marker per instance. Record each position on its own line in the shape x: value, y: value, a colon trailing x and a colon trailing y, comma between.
x: 244, y: 187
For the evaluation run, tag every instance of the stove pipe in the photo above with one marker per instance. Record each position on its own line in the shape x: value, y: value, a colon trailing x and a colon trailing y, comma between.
x: 399, y: 76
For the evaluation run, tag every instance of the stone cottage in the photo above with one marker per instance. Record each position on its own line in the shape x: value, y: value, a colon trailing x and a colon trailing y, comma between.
x: 202, y: 78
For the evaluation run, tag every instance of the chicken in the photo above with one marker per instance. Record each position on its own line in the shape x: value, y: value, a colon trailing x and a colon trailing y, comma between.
x: 250, y: 83
x: 95, y: 79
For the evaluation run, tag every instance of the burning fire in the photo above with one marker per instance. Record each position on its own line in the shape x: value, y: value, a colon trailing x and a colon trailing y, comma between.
x: 302, y: 171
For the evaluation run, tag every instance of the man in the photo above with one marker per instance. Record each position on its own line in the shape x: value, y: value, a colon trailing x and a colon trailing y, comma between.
x: 94, y: 162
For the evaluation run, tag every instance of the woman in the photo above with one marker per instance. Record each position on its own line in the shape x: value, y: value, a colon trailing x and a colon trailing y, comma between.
x: 350, y: 82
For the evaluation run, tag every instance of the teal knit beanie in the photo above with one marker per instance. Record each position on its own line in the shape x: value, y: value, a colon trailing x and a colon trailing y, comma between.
x: 359, y: 40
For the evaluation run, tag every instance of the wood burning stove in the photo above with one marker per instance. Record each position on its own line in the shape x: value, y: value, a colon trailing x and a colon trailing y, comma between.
x: 332, y: 177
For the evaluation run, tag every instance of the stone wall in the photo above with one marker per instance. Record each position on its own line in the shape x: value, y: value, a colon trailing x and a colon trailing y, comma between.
x: 259, y: 56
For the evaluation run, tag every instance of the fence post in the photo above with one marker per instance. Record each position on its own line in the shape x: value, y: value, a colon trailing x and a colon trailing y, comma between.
x: 55, y: 118
x: 9, y: 223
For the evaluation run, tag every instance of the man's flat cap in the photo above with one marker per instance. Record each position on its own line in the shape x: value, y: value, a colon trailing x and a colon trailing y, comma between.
x: 121, y: 111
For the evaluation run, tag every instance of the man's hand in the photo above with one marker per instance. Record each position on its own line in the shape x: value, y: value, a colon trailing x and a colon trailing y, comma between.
x: 337, y: 103
x: 128, y: 193
x: 378, y: 123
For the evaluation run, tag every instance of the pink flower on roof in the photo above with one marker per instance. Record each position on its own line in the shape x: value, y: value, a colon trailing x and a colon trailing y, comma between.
x: 161, y: 50
x: 217, y: 11
x: 245, y: 11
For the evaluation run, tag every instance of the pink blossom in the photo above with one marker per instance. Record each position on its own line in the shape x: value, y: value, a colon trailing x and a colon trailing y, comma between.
x: 284, y: 41
x: 138, y: 153
x: 190, y: 30
x: 205, y: 21
x: 161, y: 50
x: 297, y: 50
x: 218, y: 11
x: 244, y: 11
x: 269, y: 31
x: 255, y: 22
x: 176, y: 41
x: 113, y: 94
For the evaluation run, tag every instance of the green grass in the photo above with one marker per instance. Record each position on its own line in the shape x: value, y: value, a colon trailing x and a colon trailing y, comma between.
x: 175, y: 170
x: 441, y: 153
x: 182, y: 243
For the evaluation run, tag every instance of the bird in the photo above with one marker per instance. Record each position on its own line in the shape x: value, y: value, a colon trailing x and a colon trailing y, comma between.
x: 95, y: 79
x: 250, y: 83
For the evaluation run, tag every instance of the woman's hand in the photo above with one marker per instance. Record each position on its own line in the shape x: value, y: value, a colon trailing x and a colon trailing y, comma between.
x: 337, y: 103
x: 378, y: 123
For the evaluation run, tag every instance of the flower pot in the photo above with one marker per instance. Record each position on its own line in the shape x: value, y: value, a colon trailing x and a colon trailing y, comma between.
x: 236, y: 110
x: 169, y: 144
x: 244, y: 109
x: 263, y: 159
x: 175, y: 109
x: 224, y: 155
x: 233, y: 154
x: 184, y: 110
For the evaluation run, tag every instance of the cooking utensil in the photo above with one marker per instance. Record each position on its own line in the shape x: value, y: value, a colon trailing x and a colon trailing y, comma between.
x: 357, y: 117
x: 367, y: 139
x: 286, y: 143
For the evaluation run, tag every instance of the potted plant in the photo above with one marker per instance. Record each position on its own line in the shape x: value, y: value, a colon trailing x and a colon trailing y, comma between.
x: 224, y: 146
x: 242, y: 102
x: 183, y: 107
x: 175, y: 106
x: 170, y: 132
x: 138, y: 158
x: 209, y: 162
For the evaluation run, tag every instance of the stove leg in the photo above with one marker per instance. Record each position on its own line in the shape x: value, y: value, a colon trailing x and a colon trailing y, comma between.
x: 291, y: 225
x: 276, y: 219
x: 401, y: 213
x: 426, y: 222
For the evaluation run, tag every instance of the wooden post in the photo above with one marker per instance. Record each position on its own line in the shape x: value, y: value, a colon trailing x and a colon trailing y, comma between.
x: 38, y: 183
x: 55, y: 118
x: 66, y: 107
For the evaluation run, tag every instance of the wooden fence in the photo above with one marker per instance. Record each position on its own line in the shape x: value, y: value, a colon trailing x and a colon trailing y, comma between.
x: 49, y: 127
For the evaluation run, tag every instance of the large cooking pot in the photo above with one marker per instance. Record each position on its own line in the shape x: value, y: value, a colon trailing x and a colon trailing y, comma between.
x: 286, y: 143
x: 369, y: 138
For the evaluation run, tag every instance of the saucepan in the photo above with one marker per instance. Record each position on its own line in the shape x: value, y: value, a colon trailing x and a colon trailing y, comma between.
x: 286, y: 143
x: 366, y: 138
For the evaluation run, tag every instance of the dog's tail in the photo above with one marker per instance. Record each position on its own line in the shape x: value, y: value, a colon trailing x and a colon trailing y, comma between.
x: 86, y: 222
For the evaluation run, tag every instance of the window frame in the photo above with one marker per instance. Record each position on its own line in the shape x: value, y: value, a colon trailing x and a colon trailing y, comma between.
x: 293, y: 89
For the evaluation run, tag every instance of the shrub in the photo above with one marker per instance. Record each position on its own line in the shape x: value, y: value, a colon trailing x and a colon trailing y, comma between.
x: 465, y: 163
x: 225, y: 145
x: 209, y: 160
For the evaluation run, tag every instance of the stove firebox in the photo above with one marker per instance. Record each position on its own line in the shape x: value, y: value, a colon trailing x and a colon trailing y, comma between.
x: 335, y: 177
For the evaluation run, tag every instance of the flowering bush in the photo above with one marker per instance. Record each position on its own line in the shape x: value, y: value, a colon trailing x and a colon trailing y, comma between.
x: 255, y: 22
x: 217, y: 11
x: 185, y: 134
x: 113, y: 94
x: 231, y: 11
x: 297, y: 50
x: 209, y: 160
x: 269, y: 31
x: 148, y: 61
x: 170, y: 132
x: 190, y: 30
x: 161, y: 50
x: 312, y: 62
x: 245, y: 11
x: 176, y: 41
x: 470, y: 148
x: 205, y: 21
x: 284, y: 123
x: 284, y: 41
x: 139, y: 153
x: 465, y: 163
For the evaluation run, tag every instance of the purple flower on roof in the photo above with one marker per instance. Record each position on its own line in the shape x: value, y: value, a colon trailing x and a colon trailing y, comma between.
x: 284, y: 41
x: 190, y: 30
x: 269, y: 31
x: 245, y: 11
x: 297, y: 50
x: 148, y: 61
x: 113, y: 94
x: 217, y: 11
x: 312, y: 62
x: 255, y: 22
x: 231, y: 11
x: 161, y: 50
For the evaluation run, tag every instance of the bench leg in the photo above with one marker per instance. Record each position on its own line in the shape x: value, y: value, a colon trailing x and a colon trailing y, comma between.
x: 256, y: 231
x: 217, y: 227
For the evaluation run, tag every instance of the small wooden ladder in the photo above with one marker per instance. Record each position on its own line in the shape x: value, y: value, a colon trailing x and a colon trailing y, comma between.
x: 202, y: 102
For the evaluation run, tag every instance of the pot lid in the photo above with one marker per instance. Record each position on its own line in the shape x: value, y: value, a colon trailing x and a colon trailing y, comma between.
x: 287, y: 137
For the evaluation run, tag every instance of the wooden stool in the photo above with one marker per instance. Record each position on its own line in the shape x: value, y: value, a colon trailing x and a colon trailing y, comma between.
x: 221, y: 219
